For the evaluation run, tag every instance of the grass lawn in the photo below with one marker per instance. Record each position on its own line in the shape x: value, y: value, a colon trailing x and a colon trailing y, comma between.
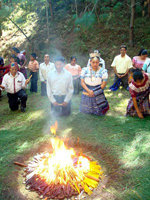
x: 124, y: 143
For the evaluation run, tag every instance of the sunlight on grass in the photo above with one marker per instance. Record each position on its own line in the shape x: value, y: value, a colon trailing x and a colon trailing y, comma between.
x: 135, y: 153
x: 35, y: 115
x: 66, y: 132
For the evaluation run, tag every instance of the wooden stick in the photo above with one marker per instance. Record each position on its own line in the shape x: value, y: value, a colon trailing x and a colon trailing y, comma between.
x: 91, y: 177
x: 30, y: 77
x: 20, y: 164
x: 60, y: 104
x: 85, y: 93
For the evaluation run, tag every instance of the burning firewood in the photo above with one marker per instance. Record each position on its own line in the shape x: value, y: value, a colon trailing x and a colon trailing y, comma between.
x: 63, y: 173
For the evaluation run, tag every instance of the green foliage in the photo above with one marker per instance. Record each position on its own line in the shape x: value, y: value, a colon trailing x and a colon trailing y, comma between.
x: 123, y: 140
x: 87, y: 20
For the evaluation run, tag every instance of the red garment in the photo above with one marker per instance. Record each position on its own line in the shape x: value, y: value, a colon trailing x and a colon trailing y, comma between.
x: 135, y: 89
x: 4, y: 70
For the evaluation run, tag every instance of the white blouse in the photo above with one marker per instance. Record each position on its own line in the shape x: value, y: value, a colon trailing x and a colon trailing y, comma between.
x: 94, y: 78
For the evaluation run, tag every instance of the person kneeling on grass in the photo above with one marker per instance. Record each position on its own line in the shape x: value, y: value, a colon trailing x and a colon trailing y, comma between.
x: 60, y: 88
x: 93, y: 81
x: 14, y: 83
x: 139, y: 89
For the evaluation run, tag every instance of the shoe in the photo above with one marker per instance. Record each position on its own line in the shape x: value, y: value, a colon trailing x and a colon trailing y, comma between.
x: 23, y: 109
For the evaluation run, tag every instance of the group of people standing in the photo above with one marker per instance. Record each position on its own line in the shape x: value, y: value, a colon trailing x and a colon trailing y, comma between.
x: 59, y: 81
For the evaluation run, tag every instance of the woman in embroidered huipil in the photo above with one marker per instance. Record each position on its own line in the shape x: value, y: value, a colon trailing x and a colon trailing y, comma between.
x: 93, y: 81
x: 139, y: 89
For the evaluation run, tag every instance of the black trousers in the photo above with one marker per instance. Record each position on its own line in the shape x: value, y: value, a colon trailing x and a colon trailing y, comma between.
x: 43, y: 89
x: 15, y: 99
x: 34, y: 80
x: 124, y: 80
x: 61, y: 110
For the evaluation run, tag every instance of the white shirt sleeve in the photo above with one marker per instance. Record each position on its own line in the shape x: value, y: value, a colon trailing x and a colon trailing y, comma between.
x: 49, y: 91
x: 130, y: 63
x: 82, y: 76
x: 40, y: 74
x: 114, y: 63
x: 70, y: 89
x: 4, y: 82
x: 104, y: 75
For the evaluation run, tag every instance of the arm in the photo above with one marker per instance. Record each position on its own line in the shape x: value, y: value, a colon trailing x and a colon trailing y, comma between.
x: 145, y: 67
x: 125, y: 73
x: 103, y: 85
x: 140, y: 115
x: 90, y: 92
x: 129, y: 67
x: 25, y: 62
x: 40, y: 74
x: 49, y: 93
x: 116, y: 72
x: 4, y: 83
x: 70, y: 90
x: 37, y: 65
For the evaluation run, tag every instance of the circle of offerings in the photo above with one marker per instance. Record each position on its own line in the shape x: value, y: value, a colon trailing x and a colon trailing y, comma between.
x: 63, y: 173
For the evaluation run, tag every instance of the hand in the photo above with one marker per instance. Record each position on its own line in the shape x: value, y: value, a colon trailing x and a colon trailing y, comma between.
x: 91, y: 93
x: 55, y: 103
x: 119, y: 76
x: 64, y: 104
x: 140, y: 115
x: 27, y: 81
x: 2, y: 87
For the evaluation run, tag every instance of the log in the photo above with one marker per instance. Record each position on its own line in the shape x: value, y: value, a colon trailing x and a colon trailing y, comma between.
x: 91, y: 177
x: 20, y: 164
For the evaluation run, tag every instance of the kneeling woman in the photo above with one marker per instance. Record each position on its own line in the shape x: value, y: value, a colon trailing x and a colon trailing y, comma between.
x: 93, y: 81
x: 139, y: 89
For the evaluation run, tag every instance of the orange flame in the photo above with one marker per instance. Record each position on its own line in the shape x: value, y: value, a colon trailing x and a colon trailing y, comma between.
x: 53, y: 128
x: 64, y: 166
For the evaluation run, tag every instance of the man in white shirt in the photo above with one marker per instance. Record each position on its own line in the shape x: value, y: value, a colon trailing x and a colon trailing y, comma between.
x: 60, y: 88
x: 45, y: 68
x: 14, y: 83
x: 122, y: 64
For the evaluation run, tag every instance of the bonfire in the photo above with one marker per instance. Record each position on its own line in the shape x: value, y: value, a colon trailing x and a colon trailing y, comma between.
x: 63, y: 173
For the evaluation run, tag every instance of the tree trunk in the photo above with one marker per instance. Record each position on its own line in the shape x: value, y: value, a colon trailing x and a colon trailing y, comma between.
x: 51, y: 10
x: 131, y: 40
x: 76, y: 6
x: 0, y: 23
x: 47, y: 18
x: 148, y: 8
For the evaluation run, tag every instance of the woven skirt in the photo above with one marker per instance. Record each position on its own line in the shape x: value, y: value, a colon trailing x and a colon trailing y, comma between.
x: 97, y: 105
x: 143, y: 104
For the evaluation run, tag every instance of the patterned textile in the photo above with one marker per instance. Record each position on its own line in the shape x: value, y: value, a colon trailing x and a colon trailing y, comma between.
x: 94, y: 78
x: 97, y: 105
x: 137, y: 62
x: 141, y: 92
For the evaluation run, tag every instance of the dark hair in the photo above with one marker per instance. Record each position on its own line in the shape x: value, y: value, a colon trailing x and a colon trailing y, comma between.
x: 73, y: 57
x: 60, y: 58
x: 123, y: 46
x: 138, y: 75
x: 94, y: 57
x: 1, y: 61
x: 33, y: 55
x: 143, y: 52
x: 16, y: 50
x: 132, y: 70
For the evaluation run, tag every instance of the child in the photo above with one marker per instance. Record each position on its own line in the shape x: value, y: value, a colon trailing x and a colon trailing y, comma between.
x: 33, y: 67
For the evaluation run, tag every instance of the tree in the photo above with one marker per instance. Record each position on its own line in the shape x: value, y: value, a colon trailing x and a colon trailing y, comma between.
x: 51, y: 10
x: 0, y: 22
x: 131, y: 40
